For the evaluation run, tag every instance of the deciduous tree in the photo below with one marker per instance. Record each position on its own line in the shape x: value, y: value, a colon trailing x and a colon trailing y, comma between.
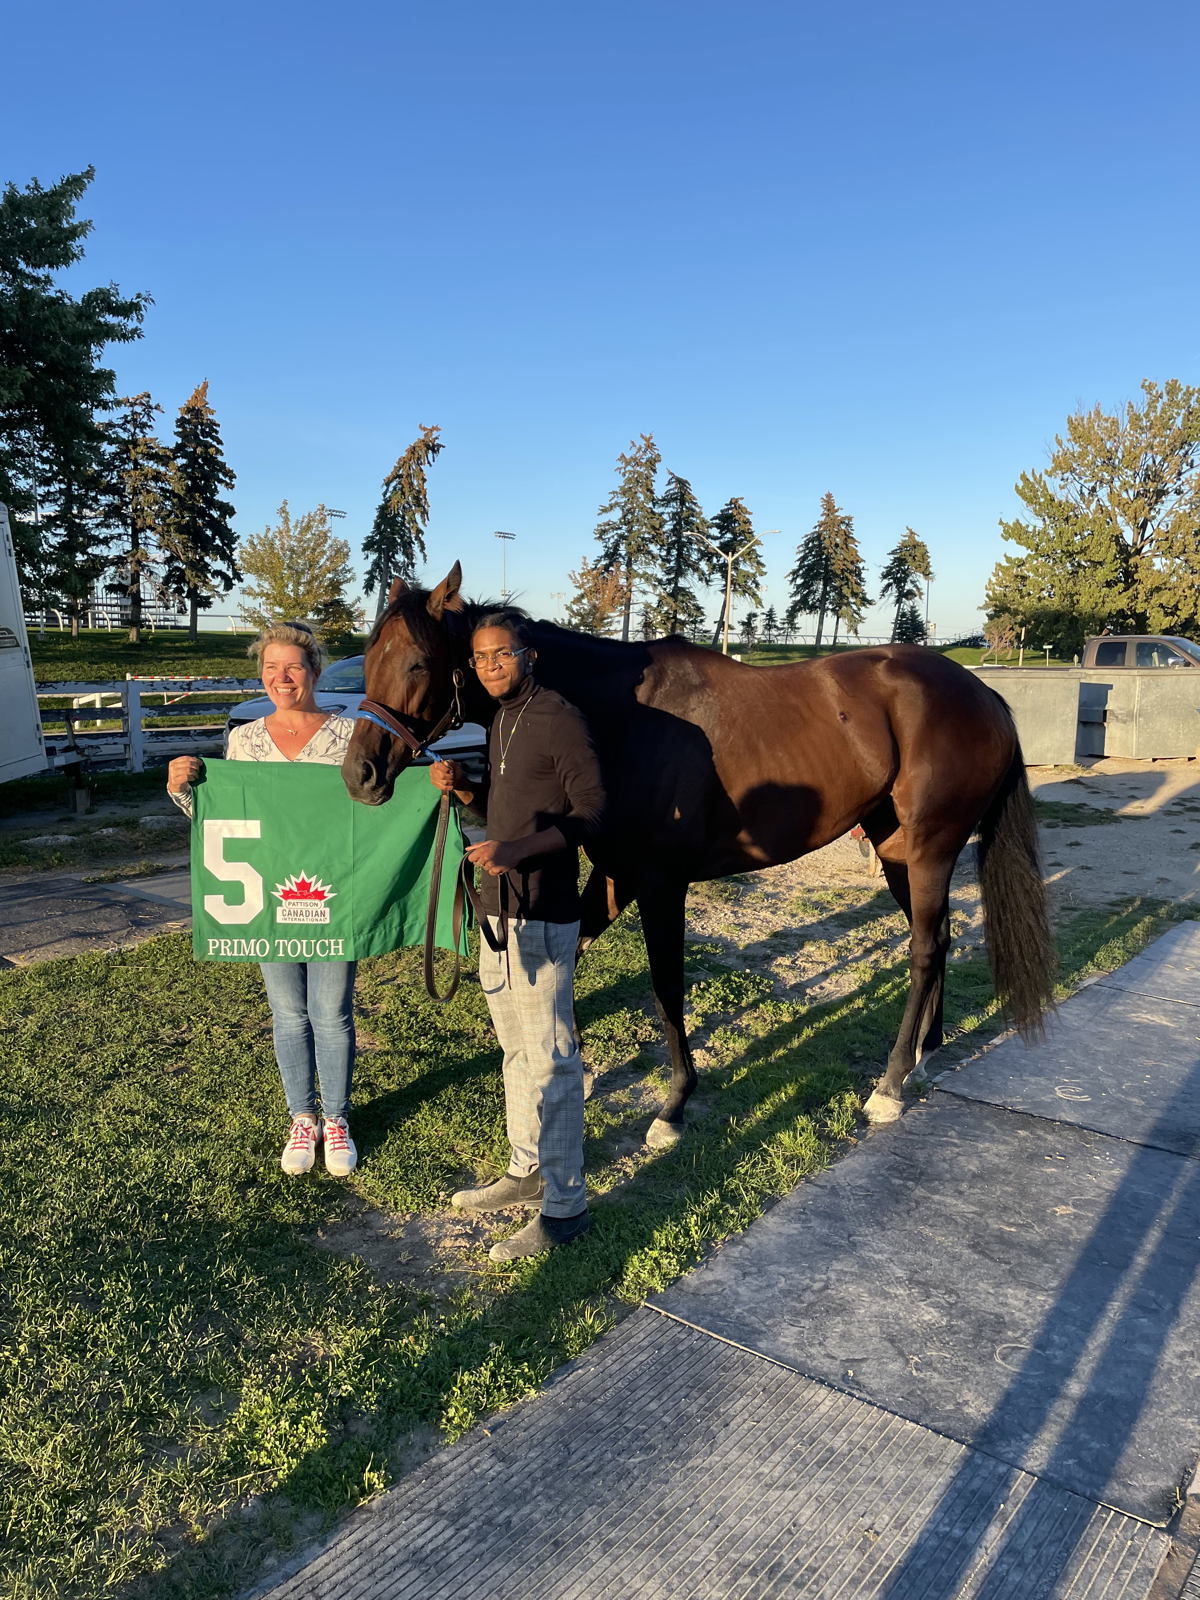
x: 907, y: 564
x: 199, y: 545
x: 1111, y: 532
x: 300, y: 571
x: 397, y: 538
x: 630, y: 530
x: 597, y: 601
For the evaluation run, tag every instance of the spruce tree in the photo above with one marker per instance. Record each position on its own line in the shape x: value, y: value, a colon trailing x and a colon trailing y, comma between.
x: 75, y: 537
x: 824, y: 567
x: 682, y: 557
x: 198, y: 543
x: 732, y: 529
x: 630, y: 530
x: 901, y: 577
x: 770, y: 626
x: 51, y: 386
x: 910, y: 625
x: 849, y: 595
x: 140, y: 479
x: 397, y: 537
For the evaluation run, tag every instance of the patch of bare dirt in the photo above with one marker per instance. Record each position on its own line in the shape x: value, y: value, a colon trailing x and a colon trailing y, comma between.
x: 1153, y: 850
x: 435, y: 1254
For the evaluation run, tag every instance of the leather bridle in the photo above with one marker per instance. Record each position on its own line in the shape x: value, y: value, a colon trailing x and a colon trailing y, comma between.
x: 384, y: 717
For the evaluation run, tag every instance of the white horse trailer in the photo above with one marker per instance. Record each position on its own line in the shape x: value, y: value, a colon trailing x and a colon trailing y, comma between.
x: 21, y: 747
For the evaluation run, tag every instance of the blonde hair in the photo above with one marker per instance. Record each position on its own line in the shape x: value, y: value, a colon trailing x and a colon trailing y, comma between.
x: 297, y: 633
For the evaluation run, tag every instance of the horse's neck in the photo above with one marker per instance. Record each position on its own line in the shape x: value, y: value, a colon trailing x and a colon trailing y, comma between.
x: 600, y: 676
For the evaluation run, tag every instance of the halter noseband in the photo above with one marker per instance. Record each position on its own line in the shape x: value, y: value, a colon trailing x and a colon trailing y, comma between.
x: 387, y: 719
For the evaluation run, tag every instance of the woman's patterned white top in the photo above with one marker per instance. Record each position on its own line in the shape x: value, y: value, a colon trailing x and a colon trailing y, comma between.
x: 252, y: 742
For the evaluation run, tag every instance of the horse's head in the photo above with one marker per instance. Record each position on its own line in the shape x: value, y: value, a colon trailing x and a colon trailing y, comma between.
x: 417, y: 646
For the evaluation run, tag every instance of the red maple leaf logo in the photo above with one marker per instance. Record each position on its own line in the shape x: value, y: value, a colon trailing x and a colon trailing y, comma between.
x: 304, y: 888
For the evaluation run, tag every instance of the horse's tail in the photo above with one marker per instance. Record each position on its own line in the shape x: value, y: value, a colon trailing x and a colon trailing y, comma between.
x: 1020, y: 946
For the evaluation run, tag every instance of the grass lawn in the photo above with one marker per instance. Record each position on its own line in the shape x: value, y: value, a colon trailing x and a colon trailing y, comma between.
x: 103, y: 655
x: 192, y: 1382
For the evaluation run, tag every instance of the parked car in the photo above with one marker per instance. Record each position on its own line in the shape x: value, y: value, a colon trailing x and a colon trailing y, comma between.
x: 1140, y: 650
x: 340, y: 689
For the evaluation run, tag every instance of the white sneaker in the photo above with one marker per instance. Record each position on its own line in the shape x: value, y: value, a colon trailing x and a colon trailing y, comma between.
x: 300, y: 1151
x: 341, y: 1157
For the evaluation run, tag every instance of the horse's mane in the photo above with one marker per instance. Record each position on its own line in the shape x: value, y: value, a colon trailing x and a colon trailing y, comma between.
x: 413, y: 606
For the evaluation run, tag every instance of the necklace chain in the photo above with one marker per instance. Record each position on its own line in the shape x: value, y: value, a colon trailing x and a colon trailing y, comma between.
x: 506, y: 744
x: 296, y: 731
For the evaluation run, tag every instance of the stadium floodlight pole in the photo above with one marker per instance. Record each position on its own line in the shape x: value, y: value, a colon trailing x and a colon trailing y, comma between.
x: 506, y: 538
x: 330, y: 512
x: 729, y: 559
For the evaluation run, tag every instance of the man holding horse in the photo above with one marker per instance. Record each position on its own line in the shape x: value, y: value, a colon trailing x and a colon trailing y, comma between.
x: 542, y: 799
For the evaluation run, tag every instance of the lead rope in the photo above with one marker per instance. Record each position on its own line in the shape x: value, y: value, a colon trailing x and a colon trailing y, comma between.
x: 463, y: 888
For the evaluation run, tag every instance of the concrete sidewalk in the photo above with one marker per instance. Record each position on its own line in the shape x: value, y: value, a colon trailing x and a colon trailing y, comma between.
x: 961, y: 1363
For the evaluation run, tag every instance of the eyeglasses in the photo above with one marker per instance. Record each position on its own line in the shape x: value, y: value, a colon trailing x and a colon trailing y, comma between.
x: 485, y: 658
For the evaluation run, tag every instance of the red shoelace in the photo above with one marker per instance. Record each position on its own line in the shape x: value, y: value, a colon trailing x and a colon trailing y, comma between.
x: 335, y: 1136
x: 302, y: 1135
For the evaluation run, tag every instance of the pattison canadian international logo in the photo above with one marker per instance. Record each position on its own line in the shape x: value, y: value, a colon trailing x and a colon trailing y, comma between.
x: 302, y: 899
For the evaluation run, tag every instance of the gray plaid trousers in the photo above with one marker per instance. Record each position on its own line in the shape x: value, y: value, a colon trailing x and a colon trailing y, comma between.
x: 530, y: 990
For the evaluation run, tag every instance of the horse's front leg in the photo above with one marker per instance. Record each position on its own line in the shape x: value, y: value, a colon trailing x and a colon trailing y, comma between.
x: 601, y: 901
x: 661, y: 903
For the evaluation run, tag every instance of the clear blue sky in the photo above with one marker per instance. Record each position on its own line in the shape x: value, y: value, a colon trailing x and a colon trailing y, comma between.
x: 881, y: 250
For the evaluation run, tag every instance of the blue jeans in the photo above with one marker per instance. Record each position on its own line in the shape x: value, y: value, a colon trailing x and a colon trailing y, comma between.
x: 312, y: 1009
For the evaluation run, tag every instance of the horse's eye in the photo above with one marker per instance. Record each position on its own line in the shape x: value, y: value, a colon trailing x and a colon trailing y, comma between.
x: 419, y: 666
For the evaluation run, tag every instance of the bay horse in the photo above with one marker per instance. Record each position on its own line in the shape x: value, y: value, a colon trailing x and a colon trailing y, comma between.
x: 714, y: 767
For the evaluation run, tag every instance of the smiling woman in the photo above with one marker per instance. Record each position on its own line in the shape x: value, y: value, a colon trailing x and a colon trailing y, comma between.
x: 311, y: 1002
x: 339, y: 690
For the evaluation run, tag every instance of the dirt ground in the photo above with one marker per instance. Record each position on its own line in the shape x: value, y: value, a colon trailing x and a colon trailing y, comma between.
x: 1109, y: 830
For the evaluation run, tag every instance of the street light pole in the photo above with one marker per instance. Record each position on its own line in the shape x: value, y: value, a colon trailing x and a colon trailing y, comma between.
x: 729, y: 559
x: 506, y: 538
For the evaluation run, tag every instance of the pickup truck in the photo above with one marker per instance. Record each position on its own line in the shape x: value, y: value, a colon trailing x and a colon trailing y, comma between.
x: 1140, y: 650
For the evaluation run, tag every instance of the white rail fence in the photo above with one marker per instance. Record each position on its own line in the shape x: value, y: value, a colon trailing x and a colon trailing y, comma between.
x: 192, y: 724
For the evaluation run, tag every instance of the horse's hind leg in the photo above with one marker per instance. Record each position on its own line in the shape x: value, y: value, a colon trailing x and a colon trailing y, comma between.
x: 922, y: 889
x: 662, y: 906
x: 888, y: 840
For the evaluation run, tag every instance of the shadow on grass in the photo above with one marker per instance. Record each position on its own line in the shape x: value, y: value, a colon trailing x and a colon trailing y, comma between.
x: 776, y: 1112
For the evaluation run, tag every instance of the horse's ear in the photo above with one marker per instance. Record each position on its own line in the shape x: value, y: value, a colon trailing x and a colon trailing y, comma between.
x: 446, y: 596
x: 398, y: 588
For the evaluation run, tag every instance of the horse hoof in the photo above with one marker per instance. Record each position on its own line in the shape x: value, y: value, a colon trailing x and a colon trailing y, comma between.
x: 663, y: 1135
x: 917, y: 1075
x: 881, y: 1108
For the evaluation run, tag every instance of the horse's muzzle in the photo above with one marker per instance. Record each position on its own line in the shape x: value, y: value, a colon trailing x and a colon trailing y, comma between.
x: 366, y: 781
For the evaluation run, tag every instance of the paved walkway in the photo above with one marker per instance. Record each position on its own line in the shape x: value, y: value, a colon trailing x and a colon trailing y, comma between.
x: 47, y: 915
x: 961, y: 1363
